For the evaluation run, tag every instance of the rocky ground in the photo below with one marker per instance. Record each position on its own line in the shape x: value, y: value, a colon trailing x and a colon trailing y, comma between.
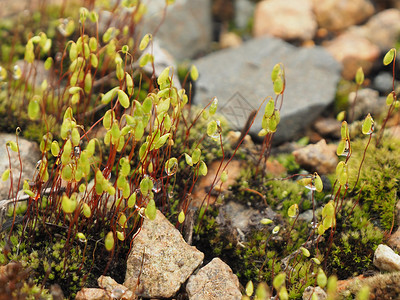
x: 235, y: 45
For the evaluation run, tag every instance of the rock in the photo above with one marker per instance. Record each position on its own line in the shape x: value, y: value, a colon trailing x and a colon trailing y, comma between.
x: 244, y: 10
x: 394, y: 240
x: 385, y: 259
x: 338, y: 16
x: 204, y: 184
x: 30, y: 155
x: 317, y: 291
x: 186, y: 30
x: 11, y: 8
x: 381, y: 29
x: 215, y: 281
x: 382, y: 286
x: 168, y: 260
x: 306, y: 216
x: 318, y: 157
x: 240, y: 79
x: 38, y: 73
x: 353, y: 51
x: 162, y: 60
x: 114, y: 289
x: 229, y: 40
x: 368, y: 101
x: 383, y: 82
x: 328, y: 127
x: 92, y: 294
x: 238, y: 220
x: 288, y: 20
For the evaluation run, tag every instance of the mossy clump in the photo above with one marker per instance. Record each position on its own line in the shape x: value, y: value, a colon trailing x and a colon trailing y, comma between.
x: 379, y: 181
x: 354, y: 242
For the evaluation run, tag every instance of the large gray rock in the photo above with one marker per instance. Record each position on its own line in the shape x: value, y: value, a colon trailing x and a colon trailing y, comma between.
x: 215, y: 281
x: 240, y: 79
x: 186, y: 30
x: 161, y: 259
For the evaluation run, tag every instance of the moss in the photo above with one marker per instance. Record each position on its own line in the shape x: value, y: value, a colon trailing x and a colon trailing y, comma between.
x: 379, y: 179
x: 354, y: 243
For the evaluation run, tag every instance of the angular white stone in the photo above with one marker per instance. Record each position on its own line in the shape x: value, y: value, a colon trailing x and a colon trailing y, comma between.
x: 385, y: 259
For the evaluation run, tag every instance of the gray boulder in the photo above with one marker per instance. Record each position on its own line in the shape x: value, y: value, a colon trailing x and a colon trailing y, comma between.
x: 240, y: 79
x: 186, y: 30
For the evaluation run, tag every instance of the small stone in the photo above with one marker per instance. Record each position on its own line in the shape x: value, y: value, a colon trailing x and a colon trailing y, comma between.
x: 394, y: 240
x: 215, y: 281
x: 338, y: 16
x: 161, y: 259
x: 353, y: 51
x: 92, y: 294
x: 381, y: 29
x: 244, y: 11
x: 229, y: 40
x: 309, y: 291
x: 383, y: 82
x: 367, y: 101
x: 328, y: 127
x: 318, y: 157
x: 288, y: 20
x: 114, y: 289
x: 385, y: 259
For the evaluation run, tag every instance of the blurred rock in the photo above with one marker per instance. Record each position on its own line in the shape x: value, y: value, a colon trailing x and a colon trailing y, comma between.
x: 385, y: 259
x: 383, y: 82
x: 215, y: 281
x: 161, y: 258
x: 244, y: 11
x: 382, y: 286
x: 394, y: 240
x: 162, y: 60
x: 114, y: 289
x: 240, y: 78
x: 37, y: 73
x: 381, y: 29
x: 328, y: 127
x: 11, y: 8
x: 288, y: 20
x: 229, y: 40
x: 222, y: 10
x: 318, y: 157
x: 186, y: 30
x: 368, y: 101
x: 337, y: 16
x: 317, y: 291
x: 30, y: 155
x: 353, y: 51
x: 92, y: 294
